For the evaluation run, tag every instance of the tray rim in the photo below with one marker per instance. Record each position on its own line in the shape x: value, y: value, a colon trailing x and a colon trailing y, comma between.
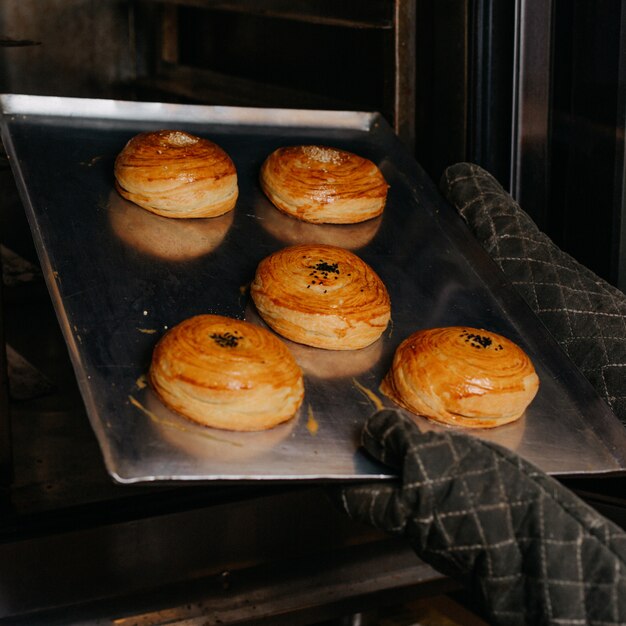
x: 135, y: 110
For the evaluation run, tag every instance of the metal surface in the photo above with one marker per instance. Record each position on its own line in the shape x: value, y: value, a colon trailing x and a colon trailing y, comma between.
x: 404, y: 71
x: 619, y: 223
x: 490, y: 63
x: 373, y: 14
x: 119, y: 276
x: 6, y: 441
x: 531, y: 107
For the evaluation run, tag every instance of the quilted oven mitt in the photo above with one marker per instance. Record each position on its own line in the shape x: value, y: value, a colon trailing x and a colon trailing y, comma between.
x: 585, y: 314
x: 529, y: 549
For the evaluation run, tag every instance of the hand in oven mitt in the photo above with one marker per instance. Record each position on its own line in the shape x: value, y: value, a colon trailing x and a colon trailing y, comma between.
x: 529, y: 550
x: 585, y: 314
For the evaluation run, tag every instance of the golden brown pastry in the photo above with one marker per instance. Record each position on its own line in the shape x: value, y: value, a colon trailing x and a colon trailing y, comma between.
x: 226, y: 373
x: 327, y: 364
x: 462, y: 376
x: 160, y: 237
x: 175, y: 174
x: 323, y: 185
x: 322, y: 296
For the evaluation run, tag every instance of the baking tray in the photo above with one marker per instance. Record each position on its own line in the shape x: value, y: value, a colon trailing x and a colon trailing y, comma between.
x: 120, y: 276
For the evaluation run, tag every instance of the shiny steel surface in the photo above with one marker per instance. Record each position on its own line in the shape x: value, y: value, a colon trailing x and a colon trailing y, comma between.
x: 531, y: 107
x: 120, y: 276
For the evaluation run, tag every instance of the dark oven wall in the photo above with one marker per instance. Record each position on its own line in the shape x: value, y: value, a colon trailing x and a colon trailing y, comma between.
x: 406, y: 59
x: 536, y: 98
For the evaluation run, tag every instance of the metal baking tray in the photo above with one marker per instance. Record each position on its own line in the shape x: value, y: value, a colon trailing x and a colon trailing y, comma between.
x: 120, y: 276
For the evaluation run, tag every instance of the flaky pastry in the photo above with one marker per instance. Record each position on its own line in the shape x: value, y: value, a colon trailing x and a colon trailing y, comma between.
x: 462, y: 376
x: 226, y: 373
x: 325, y: 185
x: 327, y: 364
x: 321, y: 296
x: 175, y: 174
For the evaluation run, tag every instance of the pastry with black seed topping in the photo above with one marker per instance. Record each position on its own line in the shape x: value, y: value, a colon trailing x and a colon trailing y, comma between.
x: 462, y: 376
x: 321, y: 296
x: 226, y: 373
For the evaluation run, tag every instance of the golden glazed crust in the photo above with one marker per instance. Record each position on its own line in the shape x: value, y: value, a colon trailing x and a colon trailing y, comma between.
x: 226, y: 373
x: 321, y: 296
x: 323, y: 185
x: 327, y: 364
x: 175, y: 174
x: 462, y: 376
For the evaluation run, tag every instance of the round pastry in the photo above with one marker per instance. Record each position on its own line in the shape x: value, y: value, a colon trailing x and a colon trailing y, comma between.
x: 176, y: 174
x: 462, y: 376
x: 323, y: 185
x: 322, y: 296
x: 327, y: 364
x: 160, y: 237
x: 226, y: 373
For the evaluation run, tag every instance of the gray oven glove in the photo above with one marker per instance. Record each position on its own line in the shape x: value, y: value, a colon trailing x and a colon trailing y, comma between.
x: 528, y: 550
x: 585, y: 314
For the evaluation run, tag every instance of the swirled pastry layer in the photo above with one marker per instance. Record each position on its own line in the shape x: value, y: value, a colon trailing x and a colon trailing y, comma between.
x: 176, y: 174
x: 226, y: 373
x: 321, y: 296
x: 323, y: 185
x: 462, y: 376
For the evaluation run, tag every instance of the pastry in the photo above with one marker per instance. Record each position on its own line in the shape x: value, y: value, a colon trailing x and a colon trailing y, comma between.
x: 176, y: 174
x: 321, y: 296
x: 226, y: 373
x: 323, y: 185
x: 162, y: 238
x: 327, y: 364
x: 462, y: 376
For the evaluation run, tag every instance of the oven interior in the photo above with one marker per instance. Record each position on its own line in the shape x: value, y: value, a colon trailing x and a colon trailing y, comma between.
x: 453, y: 81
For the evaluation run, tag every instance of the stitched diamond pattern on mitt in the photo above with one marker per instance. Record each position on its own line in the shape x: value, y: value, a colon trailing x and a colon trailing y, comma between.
x: 527, y: 546
x: 585, y: 314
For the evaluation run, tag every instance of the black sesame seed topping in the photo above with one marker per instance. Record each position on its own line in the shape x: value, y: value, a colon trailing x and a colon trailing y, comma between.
x: 476, y: 341
x: 226, y: 340
x: 327, y: 268
x: 321, y: 271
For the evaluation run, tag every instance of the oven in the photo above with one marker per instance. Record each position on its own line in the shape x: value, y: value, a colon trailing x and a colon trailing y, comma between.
x: 532, y: 91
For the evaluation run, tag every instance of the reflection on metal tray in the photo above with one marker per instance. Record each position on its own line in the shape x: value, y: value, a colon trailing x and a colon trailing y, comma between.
x: 120, y: 276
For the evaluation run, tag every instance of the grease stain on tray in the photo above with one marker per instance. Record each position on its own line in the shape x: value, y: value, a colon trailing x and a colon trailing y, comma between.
x: 369, y: 394
x: 312, y: 425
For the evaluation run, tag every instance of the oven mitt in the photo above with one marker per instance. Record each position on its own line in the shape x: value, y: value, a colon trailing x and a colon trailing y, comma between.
x: 586, y: 315
x: 528, y: 549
